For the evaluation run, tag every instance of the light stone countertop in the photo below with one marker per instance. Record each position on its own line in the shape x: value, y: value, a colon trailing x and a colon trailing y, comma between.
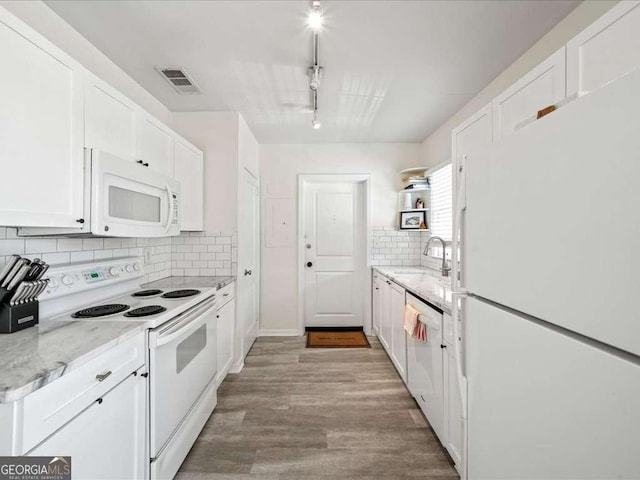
x: 191, y: 282
x: 36, y: 356
x: 423, y: 282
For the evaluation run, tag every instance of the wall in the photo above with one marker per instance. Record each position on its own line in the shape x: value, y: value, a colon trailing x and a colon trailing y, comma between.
x: 437, y: 147
x: 45, y: 21
x: 216, y: 134
x: 280, y: 166
x: 63, y: 250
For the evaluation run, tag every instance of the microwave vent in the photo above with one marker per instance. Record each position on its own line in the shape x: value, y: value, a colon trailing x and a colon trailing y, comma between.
x: 179, y: 80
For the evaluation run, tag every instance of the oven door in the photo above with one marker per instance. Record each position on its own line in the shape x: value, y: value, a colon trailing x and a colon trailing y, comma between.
x: 129, y: 200
x: 182, y: 363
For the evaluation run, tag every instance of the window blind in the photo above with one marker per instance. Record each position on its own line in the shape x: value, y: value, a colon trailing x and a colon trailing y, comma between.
x: 442, y: 203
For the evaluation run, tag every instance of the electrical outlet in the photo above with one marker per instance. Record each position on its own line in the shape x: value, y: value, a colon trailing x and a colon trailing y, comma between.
x: 147, y: 256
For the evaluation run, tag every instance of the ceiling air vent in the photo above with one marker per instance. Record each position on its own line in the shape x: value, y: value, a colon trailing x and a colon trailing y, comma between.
x: 179, y: 80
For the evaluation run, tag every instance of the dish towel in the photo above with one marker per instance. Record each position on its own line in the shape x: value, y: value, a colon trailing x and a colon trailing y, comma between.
x: 421, y: 332
x: 410, y: 321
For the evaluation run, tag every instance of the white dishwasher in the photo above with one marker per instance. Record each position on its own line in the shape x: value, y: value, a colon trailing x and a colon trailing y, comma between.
x: 424, y: 365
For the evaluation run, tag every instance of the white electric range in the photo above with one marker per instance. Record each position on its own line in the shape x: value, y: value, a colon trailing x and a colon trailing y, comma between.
x: 181, y: 339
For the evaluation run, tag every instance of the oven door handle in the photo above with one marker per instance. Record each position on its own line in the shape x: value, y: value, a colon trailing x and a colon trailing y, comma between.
x: 170, y: 215
x: 182, y: 326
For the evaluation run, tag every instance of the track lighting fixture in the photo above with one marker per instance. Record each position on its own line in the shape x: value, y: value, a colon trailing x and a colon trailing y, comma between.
x: 316, y: 22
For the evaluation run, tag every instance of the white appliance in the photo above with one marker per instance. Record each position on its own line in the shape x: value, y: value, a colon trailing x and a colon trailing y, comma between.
x: 545, y: 312
x: 425, y: 366
x: 123, y: 199
x: 181, y: 338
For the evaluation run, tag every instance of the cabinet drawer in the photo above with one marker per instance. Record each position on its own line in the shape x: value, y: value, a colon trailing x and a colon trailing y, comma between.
x: 225, y: 294
x: 48, y: 409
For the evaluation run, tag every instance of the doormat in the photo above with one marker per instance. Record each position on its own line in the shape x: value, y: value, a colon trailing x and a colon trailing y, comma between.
x: 337, y: 339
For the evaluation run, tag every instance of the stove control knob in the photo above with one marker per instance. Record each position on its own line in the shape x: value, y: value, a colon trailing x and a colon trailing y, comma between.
x: 53, y: 283
x: 129, y: 268
x: 113, y: 271
x: 67, y: 280
x: 137, y: 267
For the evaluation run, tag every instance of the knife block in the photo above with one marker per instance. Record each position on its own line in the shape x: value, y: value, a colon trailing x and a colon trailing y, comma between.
x: 17, y: 317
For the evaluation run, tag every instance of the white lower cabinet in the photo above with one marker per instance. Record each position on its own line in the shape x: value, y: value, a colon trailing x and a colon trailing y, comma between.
x: 385, y: 323
x: 107, y: 440
x: 376, y: 295
x: 398, y: 338
x: 453, y: 426
x: 226, y: 317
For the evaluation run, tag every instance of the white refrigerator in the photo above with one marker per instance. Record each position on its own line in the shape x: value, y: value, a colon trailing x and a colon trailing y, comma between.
x: 548, y: 299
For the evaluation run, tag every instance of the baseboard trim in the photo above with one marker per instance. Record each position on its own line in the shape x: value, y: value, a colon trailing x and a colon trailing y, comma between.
x: 282, y: 332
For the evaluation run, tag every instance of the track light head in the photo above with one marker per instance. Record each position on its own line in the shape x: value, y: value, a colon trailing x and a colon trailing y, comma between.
x: 314, y: 77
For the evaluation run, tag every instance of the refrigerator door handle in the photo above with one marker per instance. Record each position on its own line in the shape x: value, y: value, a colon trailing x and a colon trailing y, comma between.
x: 460, y: 205
x: 456, y: 300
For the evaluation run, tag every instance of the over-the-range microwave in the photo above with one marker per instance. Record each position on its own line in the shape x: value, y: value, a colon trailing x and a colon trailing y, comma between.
x: 123, y: 199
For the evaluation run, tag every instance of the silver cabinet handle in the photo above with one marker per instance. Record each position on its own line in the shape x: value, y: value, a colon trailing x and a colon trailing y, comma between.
x: 103, y: 376
x: 247, y: 272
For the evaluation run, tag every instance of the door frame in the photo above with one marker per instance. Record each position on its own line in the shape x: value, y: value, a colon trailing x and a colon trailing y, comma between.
x: 305, y: 179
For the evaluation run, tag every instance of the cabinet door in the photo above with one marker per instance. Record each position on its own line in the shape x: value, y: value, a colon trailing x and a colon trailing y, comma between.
x: 541, y: 87
x: 453, y: 433
x: 607, y: 49
x: 376, y: 285
x: 189, y: 171
x: 40, y: 130
x: 385, y: 315
x: 226, y: 317
x: 107, y: 440
x: 155, y: 143
x: 110, y: 120
x: 398, y: 337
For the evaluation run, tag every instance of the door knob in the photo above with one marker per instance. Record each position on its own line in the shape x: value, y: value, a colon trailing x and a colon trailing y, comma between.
x: 309, y: 264
x: 247, y: 272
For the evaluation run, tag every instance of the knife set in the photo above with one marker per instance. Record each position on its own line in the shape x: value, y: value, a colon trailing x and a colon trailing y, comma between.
x: 20, y: 285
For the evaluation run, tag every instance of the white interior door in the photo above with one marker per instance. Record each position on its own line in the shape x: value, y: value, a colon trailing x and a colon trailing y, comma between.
x: 334, y: 254
x: 249, y: 262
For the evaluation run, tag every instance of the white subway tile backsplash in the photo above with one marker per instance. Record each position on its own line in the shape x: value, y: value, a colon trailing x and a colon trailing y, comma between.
x: 92, y: 244
x: 11, y: 246
x: 57, y: 258
x: 69, y: 244
x: 40, y: 245
x: 83, y: 256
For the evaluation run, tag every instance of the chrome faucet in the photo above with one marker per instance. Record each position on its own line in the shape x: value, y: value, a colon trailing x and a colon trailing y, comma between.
x: 444, y: 269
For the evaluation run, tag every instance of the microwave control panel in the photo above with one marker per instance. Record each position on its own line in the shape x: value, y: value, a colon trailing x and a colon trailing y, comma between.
x: 176, y: 211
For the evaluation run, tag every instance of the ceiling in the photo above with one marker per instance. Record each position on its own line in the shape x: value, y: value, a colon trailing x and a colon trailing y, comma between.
x: 393, y: 71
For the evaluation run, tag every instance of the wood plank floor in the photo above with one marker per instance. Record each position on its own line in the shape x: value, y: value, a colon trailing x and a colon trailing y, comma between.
x: 316, y: 414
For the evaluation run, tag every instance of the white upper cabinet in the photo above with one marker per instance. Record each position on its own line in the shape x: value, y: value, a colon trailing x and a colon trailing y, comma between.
x: 472, y: 135
x: 541, y: 87
x: 110, y: 120
x: 41, y: 151
x: 155, y: 144
x: 607, y: 49
x: 189, y: 171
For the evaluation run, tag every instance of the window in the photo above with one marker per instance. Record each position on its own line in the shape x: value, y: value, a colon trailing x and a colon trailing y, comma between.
x: 442, y: 203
